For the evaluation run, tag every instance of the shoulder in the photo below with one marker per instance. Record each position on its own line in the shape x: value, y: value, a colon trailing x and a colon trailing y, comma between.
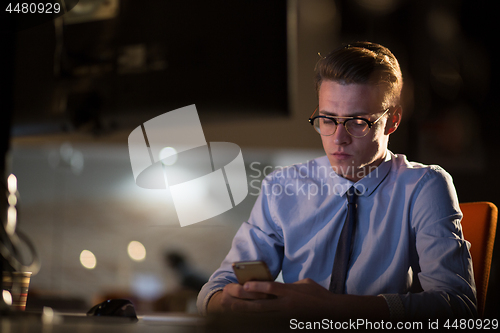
x: 411, y: 172
x: 429, y: 188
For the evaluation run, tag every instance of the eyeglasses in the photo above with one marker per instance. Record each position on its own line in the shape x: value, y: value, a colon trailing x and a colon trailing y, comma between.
x: 356, y: 126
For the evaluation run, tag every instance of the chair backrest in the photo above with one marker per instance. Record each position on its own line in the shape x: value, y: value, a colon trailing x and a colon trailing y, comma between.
x: 479, y: 224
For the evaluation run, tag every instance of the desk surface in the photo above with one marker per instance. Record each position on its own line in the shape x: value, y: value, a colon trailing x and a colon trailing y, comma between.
x: 27, y: 322
x: 75, y: 323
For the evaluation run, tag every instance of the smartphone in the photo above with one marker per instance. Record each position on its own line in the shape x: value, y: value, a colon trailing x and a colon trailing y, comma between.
x: 251, y: 271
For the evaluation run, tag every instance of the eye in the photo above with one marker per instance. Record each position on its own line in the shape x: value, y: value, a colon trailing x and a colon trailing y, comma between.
x: 326, y: 121
x: 357, y: 123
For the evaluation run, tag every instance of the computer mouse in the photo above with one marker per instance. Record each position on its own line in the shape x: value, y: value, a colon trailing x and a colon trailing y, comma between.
x: 114, y: 308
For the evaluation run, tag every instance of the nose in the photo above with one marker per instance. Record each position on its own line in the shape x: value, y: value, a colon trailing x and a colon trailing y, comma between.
x: 341, y: 137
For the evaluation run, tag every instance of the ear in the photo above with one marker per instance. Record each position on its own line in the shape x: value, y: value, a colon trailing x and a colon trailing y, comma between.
x: 394, y: 120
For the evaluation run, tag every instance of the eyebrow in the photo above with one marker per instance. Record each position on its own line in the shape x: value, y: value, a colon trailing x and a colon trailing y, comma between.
x: 332, y: 114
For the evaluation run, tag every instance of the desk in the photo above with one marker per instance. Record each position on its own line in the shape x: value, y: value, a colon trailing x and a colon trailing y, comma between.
x: 80, y: 323
x: 25, y: 322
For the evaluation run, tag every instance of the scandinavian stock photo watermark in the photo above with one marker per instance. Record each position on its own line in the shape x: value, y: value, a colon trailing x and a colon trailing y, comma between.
x: 308, y: 179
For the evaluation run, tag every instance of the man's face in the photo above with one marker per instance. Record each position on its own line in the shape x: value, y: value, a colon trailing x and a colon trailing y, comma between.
x: 353, y: 158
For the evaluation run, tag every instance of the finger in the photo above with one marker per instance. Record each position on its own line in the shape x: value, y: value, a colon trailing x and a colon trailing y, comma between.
x: 237, y: 291
x: 306, y: 281
x: 272, y: 288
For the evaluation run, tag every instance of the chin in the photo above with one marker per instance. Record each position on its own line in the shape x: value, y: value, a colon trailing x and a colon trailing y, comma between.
x: 346, y: 170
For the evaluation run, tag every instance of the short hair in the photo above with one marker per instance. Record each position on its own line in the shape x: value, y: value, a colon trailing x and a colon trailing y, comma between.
x: 362, y: 63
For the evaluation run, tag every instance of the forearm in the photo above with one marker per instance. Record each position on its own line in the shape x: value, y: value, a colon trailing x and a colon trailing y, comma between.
x: 361, y: 307
x: 208, y: 291
x: 214, y: 305
x: 439, y: 304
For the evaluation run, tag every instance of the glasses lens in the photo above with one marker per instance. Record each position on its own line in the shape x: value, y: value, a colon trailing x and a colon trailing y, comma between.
x: 324, y: 126
x: 357, y: 127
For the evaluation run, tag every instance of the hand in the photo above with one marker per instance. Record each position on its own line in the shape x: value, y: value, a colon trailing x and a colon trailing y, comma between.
x: 231, y: 298
x: 302, y: 298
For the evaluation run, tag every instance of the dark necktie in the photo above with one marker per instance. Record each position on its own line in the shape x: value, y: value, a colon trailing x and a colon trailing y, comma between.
x: 344, y: 247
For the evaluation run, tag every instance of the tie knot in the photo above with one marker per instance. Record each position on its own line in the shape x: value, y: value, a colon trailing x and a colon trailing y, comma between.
x: 351, y: 195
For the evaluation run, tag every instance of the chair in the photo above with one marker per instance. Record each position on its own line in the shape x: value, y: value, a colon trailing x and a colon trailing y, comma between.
x: 479, y: 224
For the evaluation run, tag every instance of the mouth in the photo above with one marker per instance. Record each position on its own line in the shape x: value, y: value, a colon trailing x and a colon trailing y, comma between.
x: 341, y: 155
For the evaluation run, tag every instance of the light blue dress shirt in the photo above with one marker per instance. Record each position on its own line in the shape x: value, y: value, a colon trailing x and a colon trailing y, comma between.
x: 408, y: 244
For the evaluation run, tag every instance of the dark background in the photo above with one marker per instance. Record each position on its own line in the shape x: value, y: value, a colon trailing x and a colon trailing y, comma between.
x: 219, y: 55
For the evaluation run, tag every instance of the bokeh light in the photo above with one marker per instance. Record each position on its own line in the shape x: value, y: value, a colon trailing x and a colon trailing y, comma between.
x: 12, y: 183
x: 87, y: 259
x: 7, y: 297
x: 168, y: 155
x: 136, y: 251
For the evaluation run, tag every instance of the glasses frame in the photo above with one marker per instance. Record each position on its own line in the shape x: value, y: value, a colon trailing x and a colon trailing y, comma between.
x: 337, y: 123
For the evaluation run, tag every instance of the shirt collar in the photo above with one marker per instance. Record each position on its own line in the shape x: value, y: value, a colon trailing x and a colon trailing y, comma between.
x: 367, y: 185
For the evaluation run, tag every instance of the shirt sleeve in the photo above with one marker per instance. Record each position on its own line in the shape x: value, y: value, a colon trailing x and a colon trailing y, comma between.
x: 444, y: 267
x: 258, y: 239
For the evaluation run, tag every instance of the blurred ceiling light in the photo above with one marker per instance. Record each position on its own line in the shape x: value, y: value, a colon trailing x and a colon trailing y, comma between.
x: 136, y: 251
x: 168, y: 156
x: 379, y: 6
x: 7, y: 297
x: 12, y: 199
x: 12, y: 183
x: 87, y: 259
x: 10, y: 228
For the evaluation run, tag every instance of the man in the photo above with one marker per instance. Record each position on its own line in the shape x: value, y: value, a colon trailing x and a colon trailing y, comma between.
x: 406, y: 256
